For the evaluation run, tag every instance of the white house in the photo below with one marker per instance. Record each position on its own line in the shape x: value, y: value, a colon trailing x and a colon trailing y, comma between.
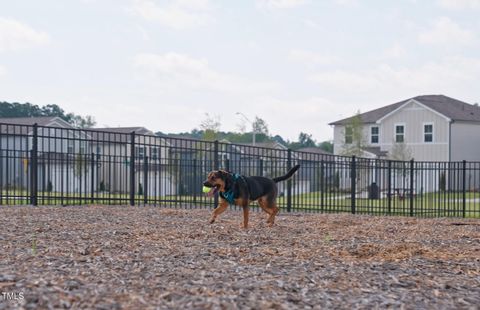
x: 428, y: 128
x: 432, y: 127
x: 113, y: 152
x: 62, y: 153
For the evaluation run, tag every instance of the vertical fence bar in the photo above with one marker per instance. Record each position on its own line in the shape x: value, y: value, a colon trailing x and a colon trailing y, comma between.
x: 353, y: 180
x: 145, y: 179
x: 132, y: 168
x: 92, y: 178
x: 389, y: 187
x: 412, y: 163
x: 289, y: 182
x: 195, y: 179
x: 464, y: 188
x: 215, y: 167
x: 323, y: 184
x: 34, y: 167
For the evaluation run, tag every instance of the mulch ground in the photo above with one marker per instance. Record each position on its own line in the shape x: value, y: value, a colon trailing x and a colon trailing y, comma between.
x: 116, y: 257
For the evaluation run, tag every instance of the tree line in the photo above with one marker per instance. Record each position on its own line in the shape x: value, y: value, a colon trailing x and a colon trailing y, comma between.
x: 15, y: 109
x: 209, y: 129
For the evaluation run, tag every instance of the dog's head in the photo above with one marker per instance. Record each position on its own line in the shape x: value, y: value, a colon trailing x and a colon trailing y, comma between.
x: 217, y: 180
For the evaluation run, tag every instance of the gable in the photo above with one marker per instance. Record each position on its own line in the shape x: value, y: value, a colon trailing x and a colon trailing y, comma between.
x: 413, y: 106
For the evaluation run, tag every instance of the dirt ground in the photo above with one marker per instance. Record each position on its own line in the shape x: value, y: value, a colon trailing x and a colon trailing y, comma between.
x: 118, y: 257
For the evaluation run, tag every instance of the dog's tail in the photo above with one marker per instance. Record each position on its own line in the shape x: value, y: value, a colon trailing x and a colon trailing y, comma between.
x: 287, y: 176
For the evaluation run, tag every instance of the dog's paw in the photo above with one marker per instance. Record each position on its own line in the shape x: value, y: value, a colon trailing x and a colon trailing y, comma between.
x: 212, y: 220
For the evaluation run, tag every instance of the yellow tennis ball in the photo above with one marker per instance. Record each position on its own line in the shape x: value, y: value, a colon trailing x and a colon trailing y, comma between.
x: 206, y: 189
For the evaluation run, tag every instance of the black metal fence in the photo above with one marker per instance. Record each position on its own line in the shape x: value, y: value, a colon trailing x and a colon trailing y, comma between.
x: 48, y: 166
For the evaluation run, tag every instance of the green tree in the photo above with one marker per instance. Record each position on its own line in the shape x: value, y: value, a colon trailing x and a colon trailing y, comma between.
x: 354, y: 141
x: 210, y: 126
x: 16, y: 109
x: 326, y: 146
x: 306, y: 140
x: 400, y: 151
x: 260, y: 126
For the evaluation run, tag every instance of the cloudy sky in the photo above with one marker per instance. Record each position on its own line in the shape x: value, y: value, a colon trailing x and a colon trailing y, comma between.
x: 298, y: 64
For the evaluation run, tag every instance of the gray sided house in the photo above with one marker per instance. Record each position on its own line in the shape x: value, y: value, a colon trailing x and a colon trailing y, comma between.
x: 269, y: 159
x: 317, y: 169
x: 193, y: 160
x: 62, y: 152
x: 113, y: 151
x: 428, y: 128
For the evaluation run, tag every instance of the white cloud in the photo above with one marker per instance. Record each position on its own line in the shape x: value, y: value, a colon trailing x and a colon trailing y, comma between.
x: 312, y: 24
x: 310, y: 58
x: 290, y: 117
x: 459, y: 4
x: 445, y: 31
x: 340, y: 80
x: 173, y: 70
x: 279, y: 4
x: 3, y: 71
x: 451, y: 75
x: 15, y: 35
x: 179, y: 14
x: 350, y: 3
x: 395, y: 51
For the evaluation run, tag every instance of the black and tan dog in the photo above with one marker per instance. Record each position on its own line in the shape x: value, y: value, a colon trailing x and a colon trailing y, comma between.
x: 241, y: 190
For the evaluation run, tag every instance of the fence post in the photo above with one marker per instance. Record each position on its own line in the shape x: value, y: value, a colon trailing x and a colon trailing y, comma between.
x: 322, y: 184
x: 132, y: 168
x: 34, y: 167
x: 464, y: 189
x: 412, y: 163
x: 145, y: 180
x: 289, y: 182
x: 389, y: 190
x: 353, y: 180
x: 215, y: 167
x: 92, y: 178
x: 195, y: 180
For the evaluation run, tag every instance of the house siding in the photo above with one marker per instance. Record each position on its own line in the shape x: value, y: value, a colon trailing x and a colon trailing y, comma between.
x: 339, y: 137
x: 465, y: 141
x: 414, y: 116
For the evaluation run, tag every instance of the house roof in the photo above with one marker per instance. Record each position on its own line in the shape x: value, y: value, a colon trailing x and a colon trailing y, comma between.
x: 24, y: 125
x: 375, y: 151
x: 452, y: 108
x: 312, y: 153
x: 41, y: 121
x: 139, y: 130
x: 315, y: 150
x: 268, y: 144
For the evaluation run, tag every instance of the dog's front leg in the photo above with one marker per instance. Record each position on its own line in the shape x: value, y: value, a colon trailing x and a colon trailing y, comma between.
x: 245, y: 217
x: 219, y: 210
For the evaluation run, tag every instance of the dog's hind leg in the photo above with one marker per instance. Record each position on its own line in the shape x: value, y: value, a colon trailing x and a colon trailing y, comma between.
x: 269, y: 206
x: 274, y: 209
x: 223, y: 205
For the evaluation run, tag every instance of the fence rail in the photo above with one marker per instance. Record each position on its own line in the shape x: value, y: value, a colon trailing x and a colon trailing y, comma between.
x: 47, y: 165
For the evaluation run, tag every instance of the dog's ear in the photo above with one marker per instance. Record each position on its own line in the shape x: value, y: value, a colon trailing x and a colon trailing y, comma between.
x: 226, y: 177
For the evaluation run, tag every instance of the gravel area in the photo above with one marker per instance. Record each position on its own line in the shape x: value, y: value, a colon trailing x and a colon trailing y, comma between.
x: 119, y: 257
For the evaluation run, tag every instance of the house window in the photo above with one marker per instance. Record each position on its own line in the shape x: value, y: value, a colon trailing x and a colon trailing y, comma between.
x: 154, y: 153
x: 374, y: 134
x: 399, y: 133
x: 140, y: 152
x: 348, y: 135
x: 428, y: 133
x: 70, y: 146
